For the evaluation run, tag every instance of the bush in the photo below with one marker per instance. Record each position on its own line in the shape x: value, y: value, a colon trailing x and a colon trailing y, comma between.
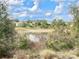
x: 23, y: 42
x: 59, y: 45
x: 6, y: 33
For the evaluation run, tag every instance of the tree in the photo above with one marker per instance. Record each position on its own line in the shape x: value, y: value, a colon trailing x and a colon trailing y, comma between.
x: 58, y: 24
x: 75, y: 13
x: 44, y: 24
x: 6, y: 32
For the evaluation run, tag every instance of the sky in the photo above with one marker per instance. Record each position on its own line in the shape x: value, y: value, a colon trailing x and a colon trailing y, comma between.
x: 40, y: 9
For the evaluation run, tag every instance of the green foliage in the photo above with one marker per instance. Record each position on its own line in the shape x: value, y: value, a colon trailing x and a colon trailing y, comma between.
x: 23, y: 44
x: 60, y: 45
x: 6, y: 32
x: 44, y: 24
x: 35, y: 24
x: 57, y: 24
x: 75, y: 13
x: 41, y: 24
x: 23, y: 25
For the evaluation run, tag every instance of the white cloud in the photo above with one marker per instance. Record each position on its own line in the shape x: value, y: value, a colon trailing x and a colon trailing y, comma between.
x: 72, y: 0
x: 58, y: 9
x: 10, y: 17
x: 21, y: 14
x: 70, y: 16
x: 58, y: 17
x: 77, y: 3
x: 48, y: 14
x: 63, y: 0
x: 58, y: 1
x: 35, y: 6
x: 14, y: 2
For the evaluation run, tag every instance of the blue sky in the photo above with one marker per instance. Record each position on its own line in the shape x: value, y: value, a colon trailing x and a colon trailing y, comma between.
x: 40, y: 9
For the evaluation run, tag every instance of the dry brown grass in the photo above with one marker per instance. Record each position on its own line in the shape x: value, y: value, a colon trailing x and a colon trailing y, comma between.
x: 21, y: 54
x: 48, y: 54
x: 34, y: 30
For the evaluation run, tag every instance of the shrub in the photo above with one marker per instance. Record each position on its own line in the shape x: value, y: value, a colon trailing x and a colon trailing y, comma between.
x: 23, y: 44
x: 59, y: 45
x: 6, y: 32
